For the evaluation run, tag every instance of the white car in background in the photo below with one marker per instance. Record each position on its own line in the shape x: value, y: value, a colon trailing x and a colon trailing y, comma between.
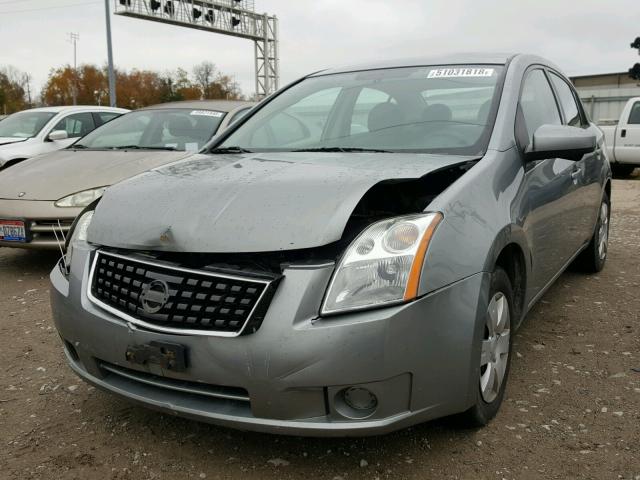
x: 41, y: 130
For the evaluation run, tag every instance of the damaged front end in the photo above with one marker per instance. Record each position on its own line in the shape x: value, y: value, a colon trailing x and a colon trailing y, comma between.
x: 244, y: 338
x: 228, y: 293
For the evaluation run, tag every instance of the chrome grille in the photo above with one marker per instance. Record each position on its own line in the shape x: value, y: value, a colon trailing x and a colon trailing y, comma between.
x: 175, y: 299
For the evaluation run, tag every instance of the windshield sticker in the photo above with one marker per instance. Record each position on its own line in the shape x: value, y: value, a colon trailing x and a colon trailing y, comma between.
x: 191, y: 147
x: 206, y: 113
x: 460, y: 72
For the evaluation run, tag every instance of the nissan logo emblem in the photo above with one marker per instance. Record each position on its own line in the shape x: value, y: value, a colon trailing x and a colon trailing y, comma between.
x: 154, y: 295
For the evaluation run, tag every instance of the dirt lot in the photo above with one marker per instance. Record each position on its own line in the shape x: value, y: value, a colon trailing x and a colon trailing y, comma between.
x: 572, y: 408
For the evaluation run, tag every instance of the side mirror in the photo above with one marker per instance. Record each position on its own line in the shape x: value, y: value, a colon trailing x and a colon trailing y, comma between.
x: 58, y: 135
x: 560, y: 141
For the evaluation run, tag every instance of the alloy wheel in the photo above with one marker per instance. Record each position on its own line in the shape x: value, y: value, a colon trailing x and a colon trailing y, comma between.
x: 495, y: 347
x: 603, y: 231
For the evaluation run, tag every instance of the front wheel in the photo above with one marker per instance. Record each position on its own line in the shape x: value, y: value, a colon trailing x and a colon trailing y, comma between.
x: 495, y: 351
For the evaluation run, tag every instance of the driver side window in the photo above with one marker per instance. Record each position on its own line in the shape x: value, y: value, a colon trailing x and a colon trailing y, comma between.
x: 76, y: 125
x: 538, y: 103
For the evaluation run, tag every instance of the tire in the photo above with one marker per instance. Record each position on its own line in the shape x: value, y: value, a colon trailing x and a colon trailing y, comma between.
x: 622, y: 170
x: 593, y: 258
x: 495, y: 353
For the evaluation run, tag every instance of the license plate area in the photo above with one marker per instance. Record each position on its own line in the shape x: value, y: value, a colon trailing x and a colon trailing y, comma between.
x: 169, y: 356
x: 13, y: 231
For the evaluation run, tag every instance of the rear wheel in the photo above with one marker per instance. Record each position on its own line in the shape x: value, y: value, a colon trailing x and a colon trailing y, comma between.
x: 593, y: 258
x: 495, y: 351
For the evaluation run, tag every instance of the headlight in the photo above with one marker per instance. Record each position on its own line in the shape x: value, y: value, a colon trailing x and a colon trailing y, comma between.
x: 81, y: 199
x: 78, y: 234
x: 382, y: 265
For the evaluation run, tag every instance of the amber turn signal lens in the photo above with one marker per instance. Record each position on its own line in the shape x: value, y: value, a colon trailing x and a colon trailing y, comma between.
x: 413, y: 282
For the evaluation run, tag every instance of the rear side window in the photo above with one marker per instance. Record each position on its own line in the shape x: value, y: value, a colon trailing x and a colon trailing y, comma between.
x: 76, y: 125
x: 303, y: 120
x: 238, y: 115
x: 634, y: 115
x: 538, y: 103
x: 567, y: 101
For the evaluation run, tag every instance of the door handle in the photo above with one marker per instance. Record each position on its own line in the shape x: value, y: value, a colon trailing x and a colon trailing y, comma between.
x: 623, y: 132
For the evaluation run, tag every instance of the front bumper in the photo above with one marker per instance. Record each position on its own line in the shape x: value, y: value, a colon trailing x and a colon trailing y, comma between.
x: 419, y: 359
x: 43, y: 221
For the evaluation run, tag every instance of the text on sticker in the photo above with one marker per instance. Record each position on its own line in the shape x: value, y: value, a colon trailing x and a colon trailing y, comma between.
x: 460, y: 72
x: 206, y: 113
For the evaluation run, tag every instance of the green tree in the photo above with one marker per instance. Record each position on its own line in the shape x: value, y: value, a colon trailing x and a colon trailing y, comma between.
x: 12, y: 90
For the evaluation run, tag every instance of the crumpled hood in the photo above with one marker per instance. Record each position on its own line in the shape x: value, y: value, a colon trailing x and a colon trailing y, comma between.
x: 9, y: 140
x: 248, y: 203
x: 58, y: 174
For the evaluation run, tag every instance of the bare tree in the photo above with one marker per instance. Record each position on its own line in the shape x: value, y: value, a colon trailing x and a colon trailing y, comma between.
x: 204, y: 74
x: 26, y: 85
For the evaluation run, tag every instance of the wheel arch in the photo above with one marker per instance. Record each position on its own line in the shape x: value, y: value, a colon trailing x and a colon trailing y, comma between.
x: 511, y: 252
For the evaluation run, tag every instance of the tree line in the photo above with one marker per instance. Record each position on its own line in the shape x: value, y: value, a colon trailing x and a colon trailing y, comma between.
x: 89, y: 85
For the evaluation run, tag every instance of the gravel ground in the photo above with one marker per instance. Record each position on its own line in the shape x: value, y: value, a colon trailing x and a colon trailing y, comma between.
x: 572, y: 408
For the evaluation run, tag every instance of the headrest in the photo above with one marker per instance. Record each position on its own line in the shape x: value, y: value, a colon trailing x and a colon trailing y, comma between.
x: 179, y: 126
x: 384, y: 115
x: 438, y: 112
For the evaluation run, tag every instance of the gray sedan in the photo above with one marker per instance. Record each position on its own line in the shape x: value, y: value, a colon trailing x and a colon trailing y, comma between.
x: 40, y: 197
x: 352, y: 258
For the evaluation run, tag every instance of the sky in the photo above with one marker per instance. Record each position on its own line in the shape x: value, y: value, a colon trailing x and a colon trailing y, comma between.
x: 581, y: 36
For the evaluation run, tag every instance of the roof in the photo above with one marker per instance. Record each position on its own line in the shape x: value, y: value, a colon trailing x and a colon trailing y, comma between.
x: 451, y: 59
x: 626, y: 73
x: 70, y: 108
x: 218, y: 105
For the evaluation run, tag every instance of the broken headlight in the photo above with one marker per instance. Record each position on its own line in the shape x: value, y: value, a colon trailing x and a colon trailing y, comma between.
x: 382, y: 265
x: 77, y: 235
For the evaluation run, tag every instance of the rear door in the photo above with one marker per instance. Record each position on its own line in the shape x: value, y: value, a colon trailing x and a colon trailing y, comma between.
x: 627, y: 143
x: 552, y: 194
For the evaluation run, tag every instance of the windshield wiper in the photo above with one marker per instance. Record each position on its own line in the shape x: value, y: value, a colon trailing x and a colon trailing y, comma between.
x: 233, y: 149
x: 78, y: 146
x: 138, y: 147
x: 341, y: 149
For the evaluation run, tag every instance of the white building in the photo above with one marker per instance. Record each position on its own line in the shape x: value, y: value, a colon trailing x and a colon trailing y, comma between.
x: 605, y: 95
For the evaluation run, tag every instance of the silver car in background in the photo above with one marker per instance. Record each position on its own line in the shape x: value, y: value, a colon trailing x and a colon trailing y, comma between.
x: 352, y: 258
x: 40, y: 198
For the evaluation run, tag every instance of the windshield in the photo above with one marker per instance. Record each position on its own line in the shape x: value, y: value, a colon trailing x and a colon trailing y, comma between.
x: 171, y: 129
x: 24, y: 124
x: 443, y: 109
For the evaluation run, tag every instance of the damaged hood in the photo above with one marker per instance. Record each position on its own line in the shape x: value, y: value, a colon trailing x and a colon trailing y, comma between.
x: 58, y: 174
x: 248, y: 203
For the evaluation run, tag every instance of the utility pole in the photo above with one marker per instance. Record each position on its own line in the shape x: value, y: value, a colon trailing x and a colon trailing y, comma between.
x: 112, y: 75
x: 73, y: 38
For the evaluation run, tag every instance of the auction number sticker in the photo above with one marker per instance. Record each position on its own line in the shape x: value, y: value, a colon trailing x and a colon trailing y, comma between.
x: 206, y: 113
x: 460, y: 72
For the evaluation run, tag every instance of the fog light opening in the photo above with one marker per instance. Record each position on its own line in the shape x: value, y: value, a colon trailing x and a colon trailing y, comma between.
x: 356, y: 403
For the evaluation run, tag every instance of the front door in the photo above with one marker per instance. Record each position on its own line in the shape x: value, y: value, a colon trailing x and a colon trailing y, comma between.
x: 552, y: 186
